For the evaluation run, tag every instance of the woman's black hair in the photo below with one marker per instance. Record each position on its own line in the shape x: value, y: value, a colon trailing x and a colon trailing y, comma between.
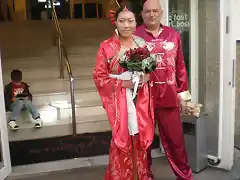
x: 118, y: 12
x: 134, y: 6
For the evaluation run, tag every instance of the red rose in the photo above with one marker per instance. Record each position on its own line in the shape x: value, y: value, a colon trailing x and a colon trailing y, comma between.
x: 146, y: 52
x: 138, y: 53
x: 128, y: 54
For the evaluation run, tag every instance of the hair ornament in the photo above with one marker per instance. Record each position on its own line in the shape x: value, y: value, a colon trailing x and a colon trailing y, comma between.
x: 125, y: 9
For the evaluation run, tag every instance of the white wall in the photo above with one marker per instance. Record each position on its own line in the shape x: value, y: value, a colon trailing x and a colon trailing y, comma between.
x: 237, y: 19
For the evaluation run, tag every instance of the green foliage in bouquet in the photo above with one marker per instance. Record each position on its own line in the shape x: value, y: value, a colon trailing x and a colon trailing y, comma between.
x: 139, y: 59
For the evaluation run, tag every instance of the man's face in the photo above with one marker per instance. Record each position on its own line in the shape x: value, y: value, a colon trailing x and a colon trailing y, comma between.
x: 152, y: 13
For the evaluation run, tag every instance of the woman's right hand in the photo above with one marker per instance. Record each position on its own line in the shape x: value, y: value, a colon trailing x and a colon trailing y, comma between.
x: 127, y: 84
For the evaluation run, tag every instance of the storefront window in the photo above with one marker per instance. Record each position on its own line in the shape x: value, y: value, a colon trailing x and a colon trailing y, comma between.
x: 179, y: 18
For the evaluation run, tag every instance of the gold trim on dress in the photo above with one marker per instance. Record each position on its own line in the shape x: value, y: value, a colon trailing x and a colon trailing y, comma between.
x: 185, y: 95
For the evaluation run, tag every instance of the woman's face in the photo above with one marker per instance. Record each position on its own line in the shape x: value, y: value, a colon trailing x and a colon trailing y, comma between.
x: 126, y: 23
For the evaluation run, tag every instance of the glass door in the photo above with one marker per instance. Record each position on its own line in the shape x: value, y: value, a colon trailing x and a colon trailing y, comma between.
x: 5, y: 164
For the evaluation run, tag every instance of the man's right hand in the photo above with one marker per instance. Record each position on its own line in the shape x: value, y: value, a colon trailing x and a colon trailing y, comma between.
x: 111, y: 16
x: 127, y: 84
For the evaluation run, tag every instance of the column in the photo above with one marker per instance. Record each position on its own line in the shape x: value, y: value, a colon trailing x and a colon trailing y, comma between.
x: 20, y: 10
x: 216, y: 84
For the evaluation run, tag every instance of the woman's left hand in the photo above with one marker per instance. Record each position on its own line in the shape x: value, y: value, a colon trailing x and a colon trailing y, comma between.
x: 144, y: 79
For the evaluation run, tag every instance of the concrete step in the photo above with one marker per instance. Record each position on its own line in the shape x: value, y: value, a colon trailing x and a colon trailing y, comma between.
x: 56, y: 85
x: 35, y: 38
x: 48, y: 73
x: 82, y: 96
x: 64, y: 85
x: 85, y: 124
x: 60, y: 111
x: 23, y: 51
x: 84, y: 60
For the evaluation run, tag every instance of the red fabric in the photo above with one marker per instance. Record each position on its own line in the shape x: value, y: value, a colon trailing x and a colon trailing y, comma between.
x: 171, y: 67
x: 113, y: 97
x: 120, y: 165
x: 172, y: 138
x: 17, y: 89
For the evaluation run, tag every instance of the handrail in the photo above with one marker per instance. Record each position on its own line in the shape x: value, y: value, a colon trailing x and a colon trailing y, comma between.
x: 62, y: 54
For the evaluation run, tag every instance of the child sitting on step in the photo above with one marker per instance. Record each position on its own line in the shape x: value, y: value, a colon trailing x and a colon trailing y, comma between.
x: 18, y: 97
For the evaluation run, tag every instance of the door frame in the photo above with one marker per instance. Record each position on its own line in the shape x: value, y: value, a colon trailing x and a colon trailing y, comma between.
x: 227, y: 84
x: 6, y: 169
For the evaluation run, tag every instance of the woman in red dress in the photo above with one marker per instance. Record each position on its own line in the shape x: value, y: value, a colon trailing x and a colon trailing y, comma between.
x: 132, y: 123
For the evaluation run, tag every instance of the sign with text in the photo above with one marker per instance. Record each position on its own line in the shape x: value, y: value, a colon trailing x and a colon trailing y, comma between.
x: 179, y: 20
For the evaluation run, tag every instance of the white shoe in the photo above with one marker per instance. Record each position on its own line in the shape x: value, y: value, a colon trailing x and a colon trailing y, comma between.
x: 13, y: 126
x: 38, y: 123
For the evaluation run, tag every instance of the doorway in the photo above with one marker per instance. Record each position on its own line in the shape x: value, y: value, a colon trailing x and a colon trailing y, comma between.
x: 207, y: 52
x: 92, y: 10
x: 36, y: 8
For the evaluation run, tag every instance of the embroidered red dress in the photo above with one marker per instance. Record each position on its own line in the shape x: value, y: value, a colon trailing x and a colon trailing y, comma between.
x: 128, y: 154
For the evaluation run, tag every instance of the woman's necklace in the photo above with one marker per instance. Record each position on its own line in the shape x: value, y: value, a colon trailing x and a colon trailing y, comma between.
x: 129, y: 46
x: 125, y: 46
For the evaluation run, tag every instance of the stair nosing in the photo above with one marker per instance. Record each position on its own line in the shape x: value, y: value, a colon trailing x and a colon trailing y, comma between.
x: 77, y: 66
x: 79, y: 90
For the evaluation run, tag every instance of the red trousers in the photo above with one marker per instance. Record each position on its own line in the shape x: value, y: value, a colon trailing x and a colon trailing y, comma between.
x: 172, y: 139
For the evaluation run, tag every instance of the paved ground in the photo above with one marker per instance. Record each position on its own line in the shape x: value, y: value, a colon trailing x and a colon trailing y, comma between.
x: 160, y: 168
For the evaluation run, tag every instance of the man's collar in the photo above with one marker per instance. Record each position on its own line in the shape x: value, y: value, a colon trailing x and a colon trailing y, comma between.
x: 160, y: 29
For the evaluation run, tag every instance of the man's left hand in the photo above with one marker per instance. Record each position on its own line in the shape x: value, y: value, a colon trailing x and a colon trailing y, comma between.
x: 182, y: 103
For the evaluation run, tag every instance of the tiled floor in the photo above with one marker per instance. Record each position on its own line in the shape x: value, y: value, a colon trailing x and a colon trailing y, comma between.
x: 160, y: 168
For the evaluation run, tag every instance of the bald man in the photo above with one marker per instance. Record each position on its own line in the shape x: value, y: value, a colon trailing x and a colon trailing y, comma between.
x: 169, y: 85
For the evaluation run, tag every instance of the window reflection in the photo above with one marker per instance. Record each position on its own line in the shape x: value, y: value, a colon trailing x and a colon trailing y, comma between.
x: 179, y: 18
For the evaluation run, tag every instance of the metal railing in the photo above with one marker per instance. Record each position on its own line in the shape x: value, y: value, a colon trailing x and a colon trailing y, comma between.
x: 63, y: 59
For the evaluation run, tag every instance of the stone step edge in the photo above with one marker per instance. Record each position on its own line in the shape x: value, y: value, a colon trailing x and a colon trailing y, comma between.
x: 79, y: 90
x: 65, y: 80
x: 68, y: 121
x: 70, y: 55
x: 102, y: 121
x: 50, y: 107
x: 74, y: 67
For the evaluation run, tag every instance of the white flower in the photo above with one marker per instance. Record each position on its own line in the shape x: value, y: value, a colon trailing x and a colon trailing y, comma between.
x: 168, y: 46
x: 150, y: 46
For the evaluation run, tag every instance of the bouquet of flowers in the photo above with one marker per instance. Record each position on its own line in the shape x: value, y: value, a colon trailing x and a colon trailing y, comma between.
x: 139, y: 61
